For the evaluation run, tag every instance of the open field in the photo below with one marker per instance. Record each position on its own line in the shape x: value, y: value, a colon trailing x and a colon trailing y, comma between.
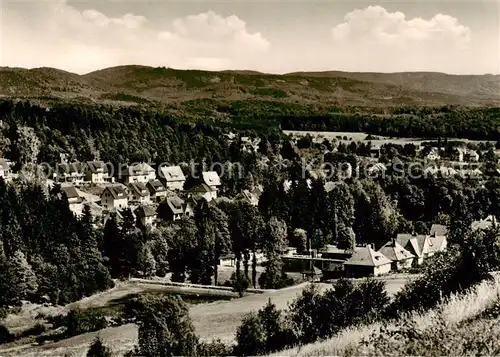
x: 218, y: 319
x: 357, y: 136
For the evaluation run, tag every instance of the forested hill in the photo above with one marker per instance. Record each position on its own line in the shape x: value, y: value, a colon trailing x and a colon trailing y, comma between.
x: 164, y: 86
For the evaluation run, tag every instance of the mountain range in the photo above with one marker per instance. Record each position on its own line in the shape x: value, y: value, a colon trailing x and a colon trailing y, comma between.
x: 135, y: 84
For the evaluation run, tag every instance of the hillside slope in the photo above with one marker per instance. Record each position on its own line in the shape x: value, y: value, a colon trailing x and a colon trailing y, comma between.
x: 465, y: 324
x: 472, y: 86
x: 164, y: 86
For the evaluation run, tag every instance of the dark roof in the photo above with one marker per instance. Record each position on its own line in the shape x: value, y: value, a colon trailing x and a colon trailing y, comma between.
x: 97, y: 166
x: 139, y: 188
x: 70, y: 192
x: 117, y: 191
x: 175, y: 204
x: 146, y: 211
x: 201, y: 188
x: 155, y: 186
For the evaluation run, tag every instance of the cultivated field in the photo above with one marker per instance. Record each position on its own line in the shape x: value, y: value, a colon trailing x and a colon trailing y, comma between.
x: 356, y: 136
x: 212, y: 320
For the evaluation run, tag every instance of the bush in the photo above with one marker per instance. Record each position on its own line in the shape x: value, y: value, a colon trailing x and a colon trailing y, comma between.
x: 239, y: 282
x: 82, y: 321
x: 264, y: 332
x: 5, y: 335
x: 250, y: 336
x: 214, y: 348
x: 36, y: 330
x: 97, y: 349
x: 316, y: 316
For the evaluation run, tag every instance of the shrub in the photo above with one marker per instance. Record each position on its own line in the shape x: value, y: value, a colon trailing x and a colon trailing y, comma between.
x: 5, y: 335
x: 35, y: 330
x: 214, y: 348
x: 97, y: 349
x: 250, y: 336
x: 82, y: 321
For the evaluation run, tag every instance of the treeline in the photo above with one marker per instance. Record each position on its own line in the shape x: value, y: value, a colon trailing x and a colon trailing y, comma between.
x: 120, y: 135
x: 46, y: 254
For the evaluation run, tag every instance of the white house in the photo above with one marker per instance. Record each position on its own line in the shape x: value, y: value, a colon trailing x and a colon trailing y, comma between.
x: 74, y: 200
x: 147, y: 215
x: 172, y: 177
x: 400, y: 257
x: 139, y: 193
x: 97, y: 172
x: 365, y: 261
x: 114, y: 197
x: 156, y: 190
x: 209, y: 193
x: 69, y: 172
x: 211, y: 178
x: 137, y: 173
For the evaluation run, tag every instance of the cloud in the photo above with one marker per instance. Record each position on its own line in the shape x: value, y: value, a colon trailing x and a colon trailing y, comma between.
x: 375, y: 23
x: 57, y: 34
x: 395, y: 42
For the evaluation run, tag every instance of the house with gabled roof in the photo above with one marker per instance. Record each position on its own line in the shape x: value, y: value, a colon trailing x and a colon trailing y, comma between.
x: 97, y: 172
x: 400, y: 257
x: 146, y: 215
x: 174, y: 208
x: 141, y: 172
x: 172, y: 177
x: 418, y: 245
x: 209, y: 193
x: 69, y: 172
x: 139, y: 193
x: 74, y: 200
x: 156, y: 190
x: 211, y: 178
x: 114, y: 196
x: 365, y: 261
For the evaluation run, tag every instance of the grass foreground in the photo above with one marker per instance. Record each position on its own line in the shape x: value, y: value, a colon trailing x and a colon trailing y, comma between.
x: 464, y: 324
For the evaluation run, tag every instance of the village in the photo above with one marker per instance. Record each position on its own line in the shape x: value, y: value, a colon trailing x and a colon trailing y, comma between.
x: 158, y: 194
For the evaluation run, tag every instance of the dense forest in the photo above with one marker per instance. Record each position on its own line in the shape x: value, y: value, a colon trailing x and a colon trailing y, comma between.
x: 42, y: 259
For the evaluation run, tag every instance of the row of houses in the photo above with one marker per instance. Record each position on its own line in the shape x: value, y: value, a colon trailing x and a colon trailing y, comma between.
x: 98, y: 172
x: 402, y: 252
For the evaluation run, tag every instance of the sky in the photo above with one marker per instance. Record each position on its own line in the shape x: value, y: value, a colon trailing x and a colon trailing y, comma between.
x: 459, y: 37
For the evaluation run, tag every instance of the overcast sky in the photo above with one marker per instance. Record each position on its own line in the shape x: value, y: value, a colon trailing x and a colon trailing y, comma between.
x: 269, y: 36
